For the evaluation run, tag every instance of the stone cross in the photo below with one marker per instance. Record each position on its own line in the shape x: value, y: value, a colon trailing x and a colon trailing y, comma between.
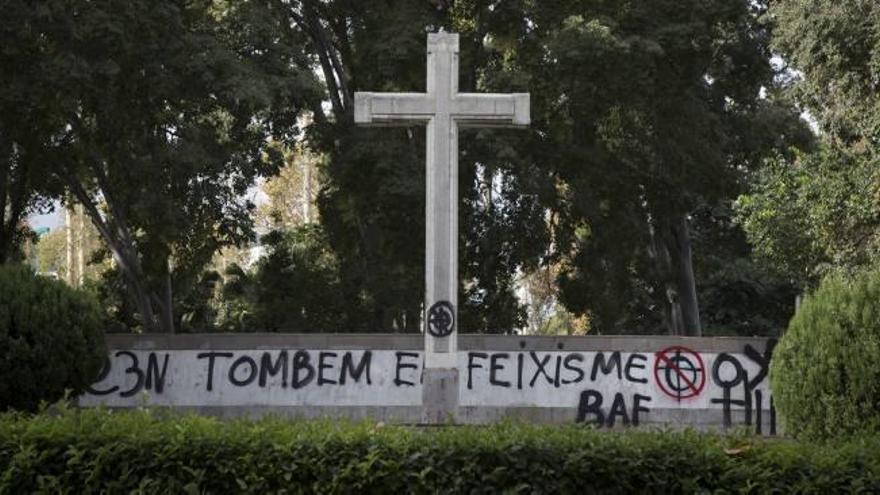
x: 442, y: 109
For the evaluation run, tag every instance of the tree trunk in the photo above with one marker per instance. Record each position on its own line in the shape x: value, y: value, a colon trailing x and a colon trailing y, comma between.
x: 68, y: 246
x: 684, y: 273
x: 307, y: 193
x: 142, y: 301
x: 123, y: 252
x: 133, y: 277
x: 15, y: 195
x: 167, y: 305
x: 5, y: 165
x: 672, y: 255
x: 80, y: 246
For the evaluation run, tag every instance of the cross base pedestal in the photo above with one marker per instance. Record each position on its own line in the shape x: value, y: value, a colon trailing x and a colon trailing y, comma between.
x: 439, y: 395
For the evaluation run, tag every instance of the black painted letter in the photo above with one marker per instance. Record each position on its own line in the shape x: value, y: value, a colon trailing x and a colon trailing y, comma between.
x: 267, y: 368
x: 401, y: 365
x: 355, y: 372
x: 324, y: 366
x: 590, y: 403
x: 472, y: 365
x: 494, y: 367
x: 302, y: 362
x: 211, y: 356
x: 607, y: 366
x: 630, y: 363
x: 251, y: 375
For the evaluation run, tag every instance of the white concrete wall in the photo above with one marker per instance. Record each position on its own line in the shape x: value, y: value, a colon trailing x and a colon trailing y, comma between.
x: 704, y: 382
x: 250, y: 377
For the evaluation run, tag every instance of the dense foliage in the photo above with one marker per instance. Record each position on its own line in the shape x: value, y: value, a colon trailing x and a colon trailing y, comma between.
x: 815, y: 212
x: 644, y: 117
x: 95, y: 451
x: 51, y: 339
x: 27, y: 119
x: 836, y: 48
x: 648, y: 120
x: 294, y: 287
x: 825, y: 372
x: 157, y: 117
x: 640, y: 116
x: 739, y: 295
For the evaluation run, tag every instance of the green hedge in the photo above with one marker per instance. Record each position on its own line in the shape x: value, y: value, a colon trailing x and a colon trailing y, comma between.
x: 101, y: 451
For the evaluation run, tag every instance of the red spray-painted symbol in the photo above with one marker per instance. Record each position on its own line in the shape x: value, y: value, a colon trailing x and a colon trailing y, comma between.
x: 679, y: 372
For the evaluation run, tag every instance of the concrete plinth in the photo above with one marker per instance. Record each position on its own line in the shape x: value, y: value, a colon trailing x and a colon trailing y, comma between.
x: 440, y: 396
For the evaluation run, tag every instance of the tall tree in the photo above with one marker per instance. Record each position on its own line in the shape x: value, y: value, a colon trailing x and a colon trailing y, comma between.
x: 835, y: 47
x: 27, y: 120
x: 816, y: 212
x: 168, y: 110
x: 642, y: 114
x: 811, y: 213
x: 372, y: 203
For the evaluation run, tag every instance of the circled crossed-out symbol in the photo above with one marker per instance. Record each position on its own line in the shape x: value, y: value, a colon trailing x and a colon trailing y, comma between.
x: 441, y: 319
x: 679, y: 372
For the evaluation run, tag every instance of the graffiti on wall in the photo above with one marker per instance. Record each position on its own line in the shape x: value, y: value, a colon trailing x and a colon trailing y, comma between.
x: 742, y: 389
x: 605, y: 388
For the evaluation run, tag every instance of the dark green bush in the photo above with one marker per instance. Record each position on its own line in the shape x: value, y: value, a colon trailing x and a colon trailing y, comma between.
x: 96, y: 451
x: 825, y: 371
x: 295, y: 287
x: 51, y: 339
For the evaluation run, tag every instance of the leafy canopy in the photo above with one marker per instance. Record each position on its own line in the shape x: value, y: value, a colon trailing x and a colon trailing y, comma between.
x: 167, y: 111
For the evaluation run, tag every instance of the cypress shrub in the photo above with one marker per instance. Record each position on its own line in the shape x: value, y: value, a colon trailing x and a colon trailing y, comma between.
x: 51, y: 339
x: 825, y: 371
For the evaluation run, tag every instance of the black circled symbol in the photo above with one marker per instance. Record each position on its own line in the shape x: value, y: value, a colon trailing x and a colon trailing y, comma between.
x: 441, y: 319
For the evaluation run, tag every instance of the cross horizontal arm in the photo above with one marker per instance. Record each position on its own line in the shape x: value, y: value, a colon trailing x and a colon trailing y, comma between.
x: 487, y: 109
x: 385, y: 108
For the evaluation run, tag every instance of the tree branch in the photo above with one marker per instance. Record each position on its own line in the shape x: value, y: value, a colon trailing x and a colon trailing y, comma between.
x: 19, y: 186
x: 341, y: 72
x: 5, y: 164
x: 117, y: 217
x: 84, y: 199
x: 311, y: 24
x: 123, y: 253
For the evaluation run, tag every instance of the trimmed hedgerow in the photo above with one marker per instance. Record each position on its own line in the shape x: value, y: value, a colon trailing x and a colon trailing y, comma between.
x: 825, y: 372
x: 51, y: 339
x: 103, y: 451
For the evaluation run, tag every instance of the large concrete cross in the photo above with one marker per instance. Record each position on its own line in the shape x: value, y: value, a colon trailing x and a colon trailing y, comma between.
x: 443, y: 109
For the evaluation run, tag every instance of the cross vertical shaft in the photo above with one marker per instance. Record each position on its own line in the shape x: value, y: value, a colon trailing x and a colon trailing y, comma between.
x: 441, y: 200
x: 442, y: 109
